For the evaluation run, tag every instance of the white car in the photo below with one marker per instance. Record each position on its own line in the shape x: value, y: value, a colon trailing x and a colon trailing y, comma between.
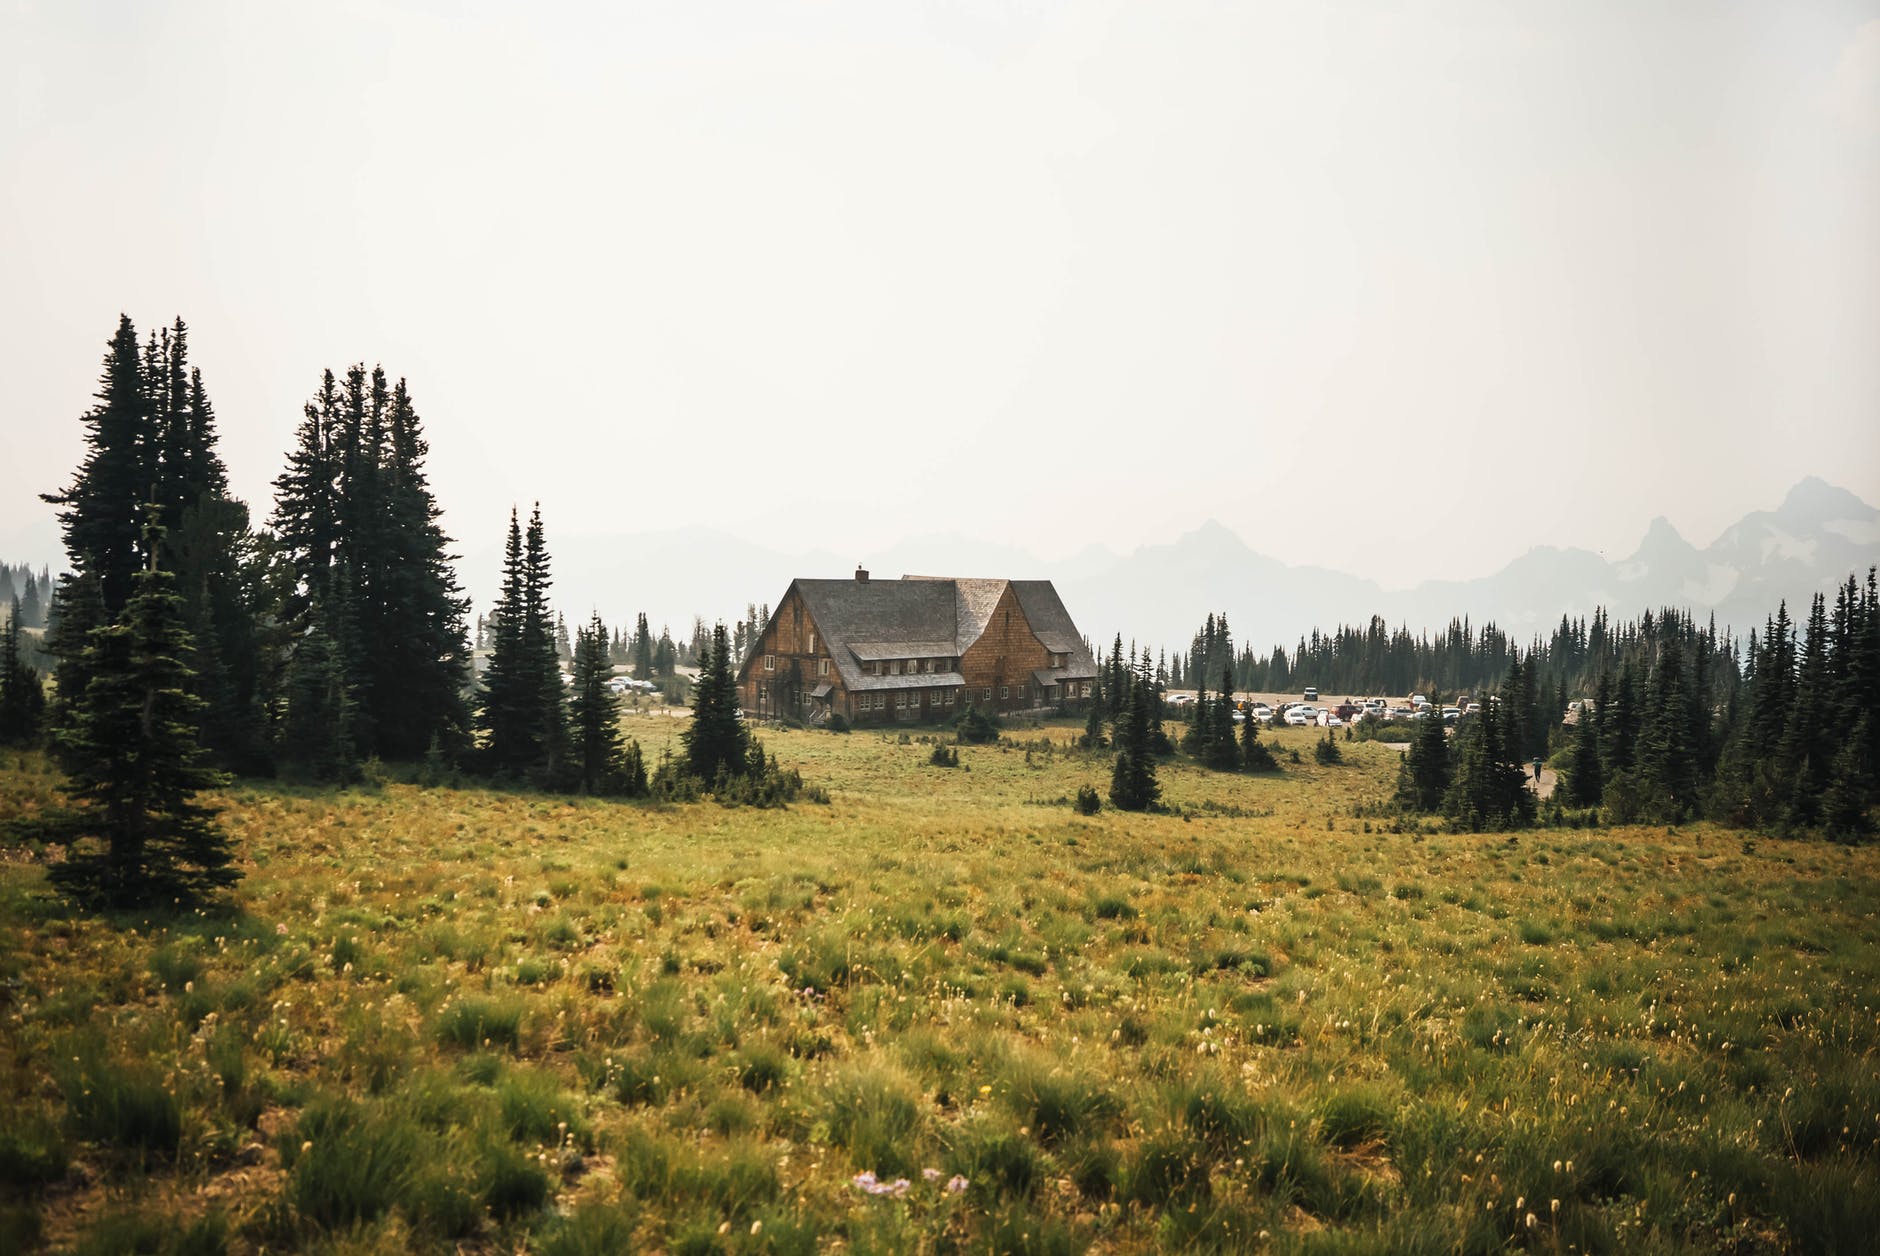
x: 1301, y: 716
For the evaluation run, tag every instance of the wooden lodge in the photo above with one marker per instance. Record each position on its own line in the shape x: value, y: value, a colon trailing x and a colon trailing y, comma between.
x: 913, y: 649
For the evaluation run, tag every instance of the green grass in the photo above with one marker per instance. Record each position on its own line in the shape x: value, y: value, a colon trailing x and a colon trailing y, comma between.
x: 441, y: 1018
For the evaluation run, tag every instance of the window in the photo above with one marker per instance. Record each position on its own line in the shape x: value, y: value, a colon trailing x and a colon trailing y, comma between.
x: 949, y: 698
x: 812, y: 643
x: 822, y: 667
x: 1005, y: 691
x: 1084, y: 690
x: 770, y: 662
x: 988, y: 697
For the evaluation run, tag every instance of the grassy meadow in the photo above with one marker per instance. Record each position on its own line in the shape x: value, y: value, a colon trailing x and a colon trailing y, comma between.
x: 943, y: 1012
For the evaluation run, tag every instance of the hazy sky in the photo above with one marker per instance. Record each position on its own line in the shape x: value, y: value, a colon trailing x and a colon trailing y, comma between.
x: 1401, y: 289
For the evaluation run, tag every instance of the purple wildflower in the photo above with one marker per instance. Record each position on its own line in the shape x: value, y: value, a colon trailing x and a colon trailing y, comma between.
x: 956, y: 1184
x: 930, y: 1175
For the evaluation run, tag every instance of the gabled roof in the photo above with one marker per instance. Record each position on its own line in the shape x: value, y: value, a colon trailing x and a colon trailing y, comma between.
x: 927, y: 617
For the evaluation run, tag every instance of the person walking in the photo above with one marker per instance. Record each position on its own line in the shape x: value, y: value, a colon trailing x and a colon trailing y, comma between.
x: 1537, y: 774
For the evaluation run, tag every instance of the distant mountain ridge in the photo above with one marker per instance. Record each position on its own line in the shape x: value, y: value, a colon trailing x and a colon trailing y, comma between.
x: 1160, y: 593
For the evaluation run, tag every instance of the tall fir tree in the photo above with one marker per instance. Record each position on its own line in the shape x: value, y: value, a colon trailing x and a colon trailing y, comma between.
x: 99, y: 511
x: 139, y: 832
x: 716, y: 740
x: 1133, y: 784
x: 22, y: 697
x: 594, y: 716
x: 1424, y: 778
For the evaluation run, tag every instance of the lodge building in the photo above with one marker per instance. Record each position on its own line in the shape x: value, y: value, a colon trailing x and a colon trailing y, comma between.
x: 917, y: 648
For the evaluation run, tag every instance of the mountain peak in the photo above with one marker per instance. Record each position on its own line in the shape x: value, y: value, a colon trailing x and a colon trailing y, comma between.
x: 1661, y: 536
x: 1813, y: 501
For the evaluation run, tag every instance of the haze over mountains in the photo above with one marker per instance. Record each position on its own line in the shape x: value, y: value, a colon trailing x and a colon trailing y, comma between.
x: 1160, y: 593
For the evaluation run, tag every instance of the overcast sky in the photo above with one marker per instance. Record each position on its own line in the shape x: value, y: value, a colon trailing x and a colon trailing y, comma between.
x: 1401, y: 289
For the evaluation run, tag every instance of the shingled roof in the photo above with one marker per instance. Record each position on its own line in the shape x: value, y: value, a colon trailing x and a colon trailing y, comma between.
x: 930, y: 617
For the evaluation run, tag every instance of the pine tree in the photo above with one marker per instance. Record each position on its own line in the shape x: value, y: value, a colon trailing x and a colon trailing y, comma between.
x: 22, y: 698
x: 1093, y: 727
x: 316, y: 737
x: 417, y: 655
x: 716, y: 741
x: 1221, y: 753
x: 542, y: 659
x: 642, y: 649
x: 104, y: 534
x: 1844, y: 805
x: 1133, y: 786
x: 1255, y: 755
x: 1585, y: 783
x: 1425, y: 777
x: 507, y: 717
x: 138, y: 833
x: 1806, y: 753
x: 1667, y: 767
x: 594, y: 714
x: 1489, y: 789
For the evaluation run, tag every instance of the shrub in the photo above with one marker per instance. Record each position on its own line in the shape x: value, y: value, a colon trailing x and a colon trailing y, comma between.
x: 1088, y: 801
x: 975, y: 727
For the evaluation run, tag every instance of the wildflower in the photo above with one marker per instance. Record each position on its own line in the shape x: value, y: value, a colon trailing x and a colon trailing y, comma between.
x: 956, y: 1184
x: 930, y: 1175
x: 1531, y: 1220
x: 757, y: 1227
x: 280, y: 931
x: 899, y: 1187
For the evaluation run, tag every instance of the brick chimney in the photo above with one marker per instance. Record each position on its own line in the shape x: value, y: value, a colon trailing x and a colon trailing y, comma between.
x: 861, y: 574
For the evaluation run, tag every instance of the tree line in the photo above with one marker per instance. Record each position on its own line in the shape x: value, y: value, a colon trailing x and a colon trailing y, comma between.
x: 190, y: 643
x: 1675, y: 731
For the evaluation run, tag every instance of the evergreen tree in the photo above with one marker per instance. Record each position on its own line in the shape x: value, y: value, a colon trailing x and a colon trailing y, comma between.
x: 22, y: 698
x: 1133, y: 786
x: 316, y: 735
x: 1667, y: 767
x: 1489, y: 788
x: 594, y: 714
x: 1844, y: 805
x: 1093, y: 727
x: 1117, y: 681
x: 1200, y: 726
x: 417, y: 657
x: 1585, y: 783
x: 642, y: 649
x: 507, y: 718
x: 717, y: 740
x: 104, y: 534
x: 1806, y: 752
x: 1221, y: 753
x: 1424, y: 779
x: 542, y: 658
x: 138, y: 833
x: 1255, y: 755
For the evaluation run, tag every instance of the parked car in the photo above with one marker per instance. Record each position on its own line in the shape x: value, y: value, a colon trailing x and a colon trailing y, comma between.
x: 1311, y: 694
x: 1474, y: 708
x: 1299, y: 716
x: 1417, y: 699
